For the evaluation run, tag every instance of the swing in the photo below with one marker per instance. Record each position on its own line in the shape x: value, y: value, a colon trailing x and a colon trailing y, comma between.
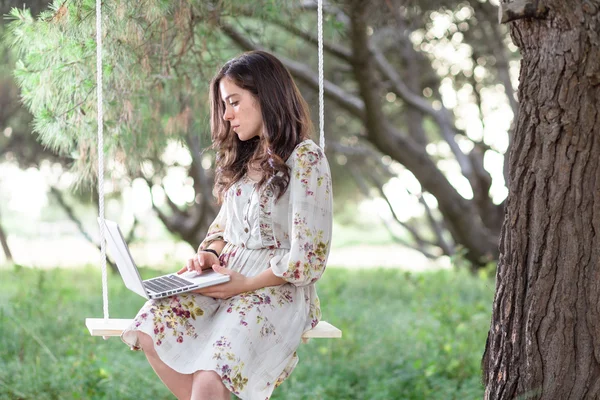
x: 107, y: 327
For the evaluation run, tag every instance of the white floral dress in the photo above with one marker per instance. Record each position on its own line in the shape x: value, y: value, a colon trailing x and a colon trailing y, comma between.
x: 250, y: 340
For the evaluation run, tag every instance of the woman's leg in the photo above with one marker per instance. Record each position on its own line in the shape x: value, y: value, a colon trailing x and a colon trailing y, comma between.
x: 179, y: 384
x: 208, y: 386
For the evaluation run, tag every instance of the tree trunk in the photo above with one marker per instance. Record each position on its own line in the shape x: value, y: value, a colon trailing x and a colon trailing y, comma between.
x: 544, y: 339
x: 463, y: 221
x: 4, y: 243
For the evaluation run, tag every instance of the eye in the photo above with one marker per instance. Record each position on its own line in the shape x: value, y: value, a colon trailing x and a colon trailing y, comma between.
x: 234, y: 103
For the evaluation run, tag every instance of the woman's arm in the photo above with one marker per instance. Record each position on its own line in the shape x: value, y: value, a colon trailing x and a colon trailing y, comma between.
x: 239, y: 283
x: 214, y: 240
x: 312, y: 219
x: 217, y: 246
x: 264, y: 279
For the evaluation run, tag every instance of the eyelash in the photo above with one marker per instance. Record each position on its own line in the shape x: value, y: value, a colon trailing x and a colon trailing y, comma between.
x: 235, y: 103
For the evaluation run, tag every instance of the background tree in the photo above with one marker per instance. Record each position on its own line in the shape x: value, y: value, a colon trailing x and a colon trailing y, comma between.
x: 544, y: 339
x: 390, y: 109
x: 17, y: 144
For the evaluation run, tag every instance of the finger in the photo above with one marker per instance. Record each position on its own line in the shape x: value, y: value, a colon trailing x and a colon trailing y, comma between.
x: 210, y: 292
x: 182, y: 270
x: 204, y: 260
x: 196, y: 264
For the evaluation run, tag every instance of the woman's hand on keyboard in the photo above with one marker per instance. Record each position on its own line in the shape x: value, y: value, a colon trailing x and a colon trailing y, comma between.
x: 201, y: 260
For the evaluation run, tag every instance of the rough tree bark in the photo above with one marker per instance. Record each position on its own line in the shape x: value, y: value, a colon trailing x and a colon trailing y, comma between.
x: 544, y: 339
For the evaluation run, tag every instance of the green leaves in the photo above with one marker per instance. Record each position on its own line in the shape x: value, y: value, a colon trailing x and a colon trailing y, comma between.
x: 158, y: 59
x: 145, y: 67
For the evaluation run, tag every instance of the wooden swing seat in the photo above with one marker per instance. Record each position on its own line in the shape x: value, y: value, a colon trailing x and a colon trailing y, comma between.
x: 115, y: 326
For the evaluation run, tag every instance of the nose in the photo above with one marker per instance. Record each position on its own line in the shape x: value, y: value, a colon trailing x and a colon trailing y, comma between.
x: 228, y: 115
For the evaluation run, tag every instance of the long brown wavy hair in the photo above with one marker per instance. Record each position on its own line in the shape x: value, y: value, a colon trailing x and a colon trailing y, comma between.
x: 284, y: 113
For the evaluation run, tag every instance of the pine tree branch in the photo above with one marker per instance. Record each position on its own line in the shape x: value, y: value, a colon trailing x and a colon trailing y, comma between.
x: 334, y: 49
x: 78, y: 104
x: 328, y: 8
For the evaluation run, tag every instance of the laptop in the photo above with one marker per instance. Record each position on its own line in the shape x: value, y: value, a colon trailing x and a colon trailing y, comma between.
x: 159, y: 287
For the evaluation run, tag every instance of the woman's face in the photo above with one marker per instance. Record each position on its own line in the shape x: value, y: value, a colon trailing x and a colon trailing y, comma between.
x: 242, y: 110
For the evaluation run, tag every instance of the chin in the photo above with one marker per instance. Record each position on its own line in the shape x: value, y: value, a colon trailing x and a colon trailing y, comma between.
x: 245, y: 138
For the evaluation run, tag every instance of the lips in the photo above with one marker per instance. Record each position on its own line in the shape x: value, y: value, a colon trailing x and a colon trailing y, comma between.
x: 234, y: 127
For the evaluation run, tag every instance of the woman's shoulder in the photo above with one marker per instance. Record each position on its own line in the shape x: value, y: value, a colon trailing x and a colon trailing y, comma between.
x: 306, y: 149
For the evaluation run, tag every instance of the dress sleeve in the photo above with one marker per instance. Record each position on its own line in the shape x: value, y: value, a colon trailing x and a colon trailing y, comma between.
x: 311, y: 219
x: 216, y: 230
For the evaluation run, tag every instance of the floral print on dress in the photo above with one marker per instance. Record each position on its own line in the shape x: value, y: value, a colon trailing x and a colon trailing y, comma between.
x: 306, y: 160
x: 265, y: 204
x: 258, y: 303
x: 230, y: 366
x: 286, y: 372
x: 216, y: 229
x: 312, y: 219
x: 314, y: 249
x: 171, y: 316
x: 250, y: 339
x: 315, y: 312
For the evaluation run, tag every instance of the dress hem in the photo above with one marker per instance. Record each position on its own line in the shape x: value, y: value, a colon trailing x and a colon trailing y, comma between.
x: 136, y: 347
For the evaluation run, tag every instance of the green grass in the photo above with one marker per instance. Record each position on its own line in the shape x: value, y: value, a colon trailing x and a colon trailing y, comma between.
x: 406, y: 336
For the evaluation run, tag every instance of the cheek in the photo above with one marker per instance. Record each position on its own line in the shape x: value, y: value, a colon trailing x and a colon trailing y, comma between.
x: 257, y: 115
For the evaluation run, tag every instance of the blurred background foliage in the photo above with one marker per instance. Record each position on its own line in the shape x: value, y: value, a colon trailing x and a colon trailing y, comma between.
x: 418, y: 117
x: 423, y: 140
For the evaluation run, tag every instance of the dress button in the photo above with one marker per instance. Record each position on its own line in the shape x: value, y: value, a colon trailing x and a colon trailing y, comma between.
x: 246, y: 230
x: 243, y: 245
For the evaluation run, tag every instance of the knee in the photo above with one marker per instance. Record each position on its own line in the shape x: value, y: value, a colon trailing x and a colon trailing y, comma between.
x: 209, y: 382
x: 146, y: 343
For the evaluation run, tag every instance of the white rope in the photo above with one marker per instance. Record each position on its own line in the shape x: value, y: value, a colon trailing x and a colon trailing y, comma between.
x: 101, y: 154
x: 321, y: 89
x: 101, y: 133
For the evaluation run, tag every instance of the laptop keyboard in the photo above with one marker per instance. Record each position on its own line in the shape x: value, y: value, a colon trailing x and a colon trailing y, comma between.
x: 166, y: 283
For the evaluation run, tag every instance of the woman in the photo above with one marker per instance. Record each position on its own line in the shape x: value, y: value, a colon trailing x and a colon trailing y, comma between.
x: 272, y: 236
